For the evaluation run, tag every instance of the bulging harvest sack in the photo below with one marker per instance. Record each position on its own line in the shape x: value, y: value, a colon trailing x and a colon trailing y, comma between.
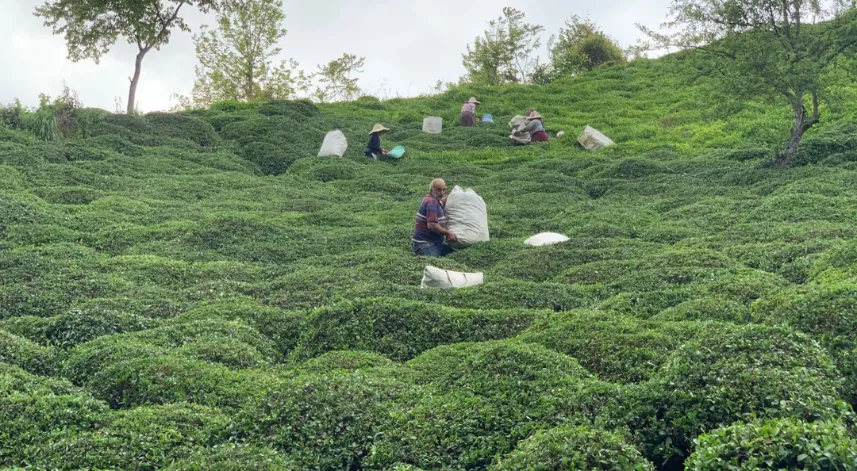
x: 433, y: 125
x: 545, y: 238
x: 592, y: 140
x: 334, y: 144
x: 466, y: 217
x: 434, y: 277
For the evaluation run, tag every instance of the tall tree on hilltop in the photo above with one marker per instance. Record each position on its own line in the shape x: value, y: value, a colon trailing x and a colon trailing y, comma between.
x: 505, y: 53
x: 765, y: 48
x: 92, y: 27
x: 336, y: 78
x: 236, y: 59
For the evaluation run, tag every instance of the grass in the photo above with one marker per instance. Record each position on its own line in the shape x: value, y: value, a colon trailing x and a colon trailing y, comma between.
x: 200, y: 291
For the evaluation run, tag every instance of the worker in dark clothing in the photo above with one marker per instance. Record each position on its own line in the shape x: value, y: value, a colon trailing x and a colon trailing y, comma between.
x: 374, y: 150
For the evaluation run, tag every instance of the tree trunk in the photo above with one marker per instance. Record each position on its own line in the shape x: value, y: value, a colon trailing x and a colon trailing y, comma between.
x: 802, y: 123
x: 132, y: 91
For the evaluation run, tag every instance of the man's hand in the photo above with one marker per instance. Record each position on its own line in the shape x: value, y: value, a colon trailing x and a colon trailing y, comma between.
x: 451, y: 237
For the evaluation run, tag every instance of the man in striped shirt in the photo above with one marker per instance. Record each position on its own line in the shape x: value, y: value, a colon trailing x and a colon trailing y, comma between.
x: 430, y: 227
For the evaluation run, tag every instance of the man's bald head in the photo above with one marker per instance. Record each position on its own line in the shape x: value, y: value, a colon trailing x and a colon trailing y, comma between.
x: 437, y: 188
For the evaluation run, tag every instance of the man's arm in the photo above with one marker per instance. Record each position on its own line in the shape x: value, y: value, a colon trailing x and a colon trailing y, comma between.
x: 438, y: 229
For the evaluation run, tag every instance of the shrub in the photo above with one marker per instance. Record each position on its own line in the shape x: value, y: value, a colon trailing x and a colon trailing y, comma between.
x: 30, y: 356
x: 180, y: 333
x: 401, y: 329
x: 708, y: 308
x: 233, y: 457
x: 776, y: 444
x: 82, y: 325
x: 300, y: 109
x: 228, y: 352
x: 168, y: 379
x: 346, y: 362
x: 183, y: 127
x: 144, y: 438
x: 613, y: 347
x: 271, y: 159
x: 729, y: 373
x: 574, y: 447
x: 85, y: 360
x: 338, y: 416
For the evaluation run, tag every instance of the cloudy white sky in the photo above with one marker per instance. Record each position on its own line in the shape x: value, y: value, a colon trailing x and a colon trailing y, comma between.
x: 408, y: 45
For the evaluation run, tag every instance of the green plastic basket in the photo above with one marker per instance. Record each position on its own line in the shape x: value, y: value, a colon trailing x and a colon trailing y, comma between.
x: 396, y: 152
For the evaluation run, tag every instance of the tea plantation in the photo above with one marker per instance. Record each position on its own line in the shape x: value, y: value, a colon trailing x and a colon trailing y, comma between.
x: 198, y: 291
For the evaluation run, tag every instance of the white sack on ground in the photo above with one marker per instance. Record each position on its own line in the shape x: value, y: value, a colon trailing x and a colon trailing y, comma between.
x: 517, y: 124
x: 545, y: 238
x: 434, y: 277
x: 591, y: 139
x: 433, y: 125
x: 334, y: 144
x: 466, y: 217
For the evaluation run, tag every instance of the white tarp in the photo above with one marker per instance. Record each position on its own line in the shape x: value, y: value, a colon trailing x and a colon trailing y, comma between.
x: 433, y: 125
x: 334, y: 144
x: 434, y: 277
x: 591, y: 139
x: 546, y: 238
x: 466, y: 217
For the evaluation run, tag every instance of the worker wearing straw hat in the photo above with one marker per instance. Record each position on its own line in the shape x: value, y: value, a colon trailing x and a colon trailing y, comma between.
x: 536, y: 128
x: 468, y: 113
x: 374, y: 150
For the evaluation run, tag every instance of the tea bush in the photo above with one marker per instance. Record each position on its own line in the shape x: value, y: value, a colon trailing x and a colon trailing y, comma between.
x: 30, y: 356
x: 776, y: 444
x: 232, y: 457
x: 574, y: 447
x: 400, y: 329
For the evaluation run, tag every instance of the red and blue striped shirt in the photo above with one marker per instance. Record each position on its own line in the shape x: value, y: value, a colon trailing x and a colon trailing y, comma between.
x: 431, y: 210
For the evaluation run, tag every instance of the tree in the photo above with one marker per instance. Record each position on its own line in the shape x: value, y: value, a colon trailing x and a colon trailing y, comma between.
x: 765, y: 48
x: 336, y: 79
x: 505, y: 53
x: 236, y: 59
x: 579, y: 46
x: 92, y: 27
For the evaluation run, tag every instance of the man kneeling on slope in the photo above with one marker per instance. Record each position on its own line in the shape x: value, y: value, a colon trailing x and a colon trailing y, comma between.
x: 430, y: 227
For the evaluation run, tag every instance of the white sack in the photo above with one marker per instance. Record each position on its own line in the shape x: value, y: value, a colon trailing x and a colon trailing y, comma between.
x: 517, y: 124
x: 591, y: 139
x: 434, y: 277
x: 433, y: 125
x: 546, y: 238
x: 334, y: 144
x: 466, y: 217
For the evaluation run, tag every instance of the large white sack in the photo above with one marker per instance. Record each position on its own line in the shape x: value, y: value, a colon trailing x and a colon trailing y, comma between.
x: 433, y: 125
x: 466, y: 217
x: 545, y: 238
x: 334, y: 144
x: 434, y: 277
x: 591, y: 139
x: 517, y: 124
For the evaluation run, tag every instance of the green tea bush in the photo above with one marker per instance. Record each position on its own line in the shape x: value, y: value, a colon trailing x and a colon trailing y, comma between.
x: 29, y: 327
x: 84, y: 361
x: 183, y: 127
x: 180, y: 333
x: 339, y: 416
x: 346, y: 361
x: 613, y: 347
x: 729, y: 373
x: 144, y: 438
x: 271, y: 159
x: 776, y: 444
x: 706, y: 308
x: 401, y: 329
x: 232, y: 457
x: 168, y: 379
x: 574, y: 447
x: 28, y: 355
x: 300, y: 109
x: 225, y: 351
x: 82, y: 325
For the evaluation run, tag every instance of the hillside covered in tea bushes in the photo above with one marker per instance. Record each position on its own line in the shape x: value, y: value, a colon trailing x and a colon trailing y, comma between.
x: 198, y: 291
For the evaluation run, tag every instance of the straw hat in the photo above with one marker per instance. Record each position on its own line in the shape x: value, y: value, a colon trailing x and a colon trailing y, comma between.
x: 378, y: 128
x: 534, y: 115
x: 473, y: 100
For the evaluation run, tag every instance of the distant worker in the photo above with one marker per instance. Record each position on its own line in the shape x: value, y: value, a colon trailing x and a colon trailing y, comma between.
x: 374, y: 150
x: 527, y: 112
x: 468, y: 113
x: 536, y: 128
x: 430, y: 227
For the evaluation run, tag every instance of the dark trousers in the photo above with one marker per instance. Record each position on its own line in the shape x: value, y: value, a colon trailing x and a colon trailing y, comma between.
x: 431, y: 250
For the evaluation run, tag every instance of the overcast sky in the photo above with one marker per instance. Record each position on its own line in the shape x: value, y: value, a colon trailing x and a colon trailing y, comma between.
x: 408, y: 45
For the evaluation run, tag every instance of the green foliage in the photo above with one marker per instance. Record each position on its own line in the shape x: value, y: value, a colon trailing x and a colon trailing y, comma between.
x: 505, y: 51
x: 30, y: 356
x: 339, y: 415
x: 232, y: 457
x: 78, y: 326
x: 401, y: 330
x: 776, y: 444
x: 572, y: 447
x: 140, y: 439
x: 613, y: 347
x: 730, y: 373
x: 182, y: 127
